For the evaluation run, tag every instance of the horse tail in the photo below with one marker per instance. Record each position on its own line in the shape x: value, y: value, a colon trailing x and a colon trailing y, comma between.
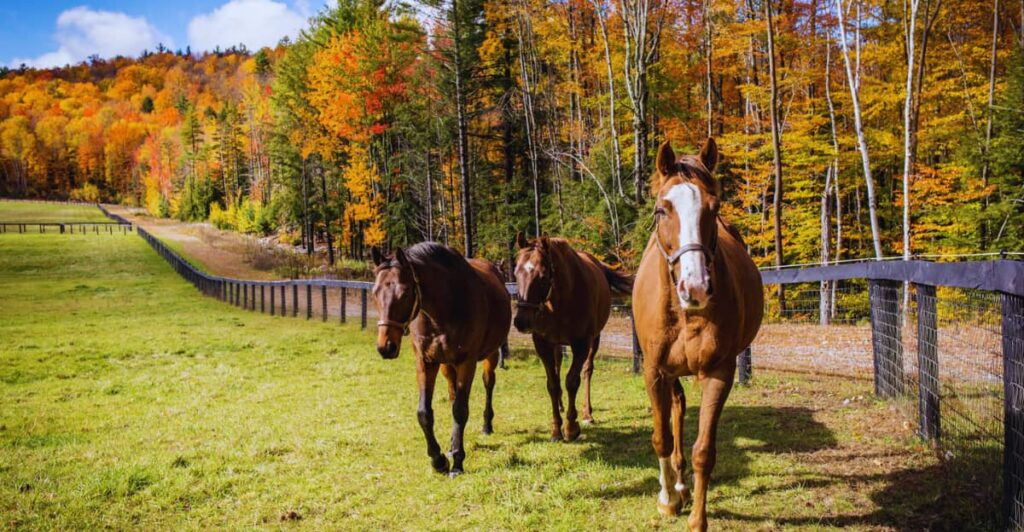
x: 618, y: 281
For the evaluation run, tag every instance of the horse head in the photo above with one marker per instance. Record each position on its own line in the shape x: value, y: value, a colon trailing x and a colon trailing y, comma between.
x: 397, y: 294
x: 685, y: 213
x: 534, y: 275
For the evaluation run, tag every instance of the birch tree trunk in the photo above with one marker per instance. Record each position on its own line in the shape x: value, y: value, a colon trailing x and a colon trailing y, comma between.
x: 616, y: 148
x: 463, y: 134
x: 776, y: 146
x: 988, y: 120
x: 910, y: 26
x: 858, y: 124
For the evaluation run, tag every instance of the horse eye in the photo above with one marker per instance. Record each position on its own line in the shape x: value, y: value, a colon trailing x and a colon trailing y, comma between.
x: 659, y: 211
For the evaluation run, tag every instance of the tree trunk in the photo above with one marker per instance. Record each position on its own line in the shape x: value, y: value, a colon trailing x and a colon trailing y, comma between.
x: 854, y: 82
x: 463, y: 134
x: 988, y: 121
x: 708, y: 52
x: 911, y: 33
x: 776, y: 146
x: 326, y: 212
x: 616, y: 148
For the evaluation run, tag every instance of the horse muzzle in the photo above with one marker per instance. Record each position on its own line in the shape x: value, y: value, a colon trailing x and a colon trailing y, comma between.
x: 523, y: 323
x: 389, y: 350
x: 693, y: 296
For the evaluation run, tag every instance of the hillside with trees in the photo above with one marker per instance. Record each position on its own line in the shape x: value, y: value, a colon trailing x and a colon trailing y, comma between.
x: 849, y: 128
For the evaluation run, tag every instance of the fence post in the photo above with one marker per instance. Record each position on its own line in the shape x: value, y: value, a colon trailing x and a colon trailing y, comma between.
x: 295, y: 300
x: 1013, y: 411
x: 263, y: 298
x: 745, y: 365
x: 363, y: 314
x: 284, y: 301
x: 503, y: 354
x: 344, y: 296
x: 927, y: 363
x: 309, y: 301
x: 272, y: 292
x: 245, y: 296
x: 886, y: 341
x: 637, y: 353
x: 323, y: 300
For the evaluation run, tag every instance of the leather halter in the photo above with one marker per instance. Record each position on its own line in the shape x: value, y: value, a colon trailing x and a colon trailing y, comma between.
x: 417, y: 306
x: 522, y: 303
x: 671, y: 260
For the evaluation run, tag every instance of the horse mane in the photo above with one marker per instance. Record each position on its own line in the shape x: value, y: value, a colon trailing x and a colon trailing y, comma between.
x: 692, y: 167
x: 434, y: 254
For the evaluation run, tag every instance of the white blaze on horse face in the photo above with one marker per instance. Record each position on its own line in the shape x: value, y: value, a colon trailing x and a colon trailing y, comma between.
x: 693, y: 273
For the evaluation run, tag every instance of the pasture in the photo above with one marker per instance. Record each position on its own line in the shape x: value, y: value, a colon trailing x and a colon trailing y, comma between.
x: 48, y: 212
x: 131, y: 401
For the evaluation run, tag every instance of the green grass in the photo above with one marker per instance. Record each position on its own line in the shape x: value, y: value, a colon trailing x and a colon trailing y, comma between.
x: 131, y: 402
x: 40, y: 212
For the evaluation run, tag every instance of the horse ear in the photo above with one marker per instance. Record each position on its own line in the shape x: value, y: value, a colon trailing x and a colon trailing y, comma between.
x: 709, y: 154
x: 521, y: 240
x: 401, y: 258
x: 666, y: 160
x: 376, y: 255
x: 665, y: 164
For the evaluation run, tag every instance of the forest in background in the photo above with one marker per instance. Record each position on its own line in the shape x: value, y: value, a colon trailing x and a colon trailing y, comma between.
x: 849, y: 128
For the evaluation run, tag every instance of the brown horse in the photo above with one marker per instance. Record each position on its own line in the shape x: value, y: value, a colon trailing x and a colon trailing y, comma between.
x: 457, y: 312
x: 697, y: 303
x: 564, y: 299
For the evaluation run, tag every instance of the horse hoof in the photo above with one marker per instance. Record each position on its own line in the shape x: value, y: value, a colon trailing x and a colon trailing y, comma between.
x: 572, y: 432
x: 555, y: 438
x: 697, y: 524
x: 455, y: 472
x: 587, y: 421
x: 440, y: 464
x: 672, y: 509
x: 487, y: 430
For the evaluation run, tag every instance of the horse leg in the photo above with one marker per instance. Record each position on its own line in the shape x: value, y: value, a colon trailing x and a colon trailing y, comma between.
x: 460, y: 412
x: 588, y: 371
x: 678, y: 458
x: 715, y: 389
x: 426, y: 376
x: 580, y: 352
x: 491, y: 363
x: 659, y: 390
x: 449, y: 375
x: 548, y: 353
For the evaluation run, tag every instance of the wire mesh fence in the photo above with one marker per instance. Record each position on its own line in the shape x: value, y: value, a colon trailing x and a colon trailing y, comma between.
x: 937, y: 353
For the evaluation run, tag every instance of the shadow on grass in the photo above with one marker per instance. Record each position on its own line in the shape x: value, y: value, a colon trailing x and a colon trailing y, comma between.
x: 962, y: 493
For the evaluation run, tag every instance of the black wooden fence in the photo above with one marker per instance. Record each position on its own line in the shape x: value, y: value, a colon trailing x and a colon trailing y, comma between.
x: 947, y: 342
x: 117, y: 224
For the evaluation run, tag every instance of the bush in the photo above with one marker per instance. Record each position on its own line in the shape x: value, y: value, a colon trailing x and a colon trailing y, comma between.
x: 247, y: 217
x: 88, y: 193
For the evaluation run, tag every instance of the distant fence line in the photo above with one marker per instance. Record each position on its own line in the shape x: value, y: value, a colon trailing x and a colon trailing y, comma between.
x: 118, y: 224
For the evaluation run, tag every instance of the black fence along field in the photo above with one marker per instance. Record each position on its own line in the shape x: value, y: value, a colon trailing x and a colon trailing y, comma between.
x: 943, y: 342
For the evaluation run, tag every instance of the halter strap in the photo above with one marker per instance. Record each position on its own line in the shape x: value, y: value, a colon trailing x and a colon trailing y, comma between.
x: 671, y: 260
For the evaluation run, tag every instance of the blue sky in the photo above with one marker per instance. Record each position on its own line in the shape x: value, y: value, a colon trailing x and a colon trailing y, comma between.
x: 52, y: 32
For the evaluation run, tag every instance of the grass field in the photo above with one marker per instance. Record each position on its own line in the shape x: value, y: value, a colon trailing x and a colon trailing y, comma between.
x: 131, y: 402
x: 40, y: 212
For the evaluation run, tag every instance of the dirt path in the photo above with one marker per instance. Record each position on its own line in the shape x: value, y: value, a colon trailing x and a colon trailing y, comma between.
x: 222, y: 253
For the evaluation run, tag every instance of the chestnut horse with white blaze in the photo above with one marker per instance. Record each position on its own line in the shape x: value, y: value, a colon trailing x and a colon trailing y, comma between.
x: 564, y: 299
x: 697, y: 303
x: 457, y: 313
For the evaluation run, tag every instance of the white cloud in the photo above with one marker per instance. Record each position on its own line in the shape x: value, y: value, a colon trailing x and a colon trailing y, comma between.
x: 82, y: 32
x: 255, y: 23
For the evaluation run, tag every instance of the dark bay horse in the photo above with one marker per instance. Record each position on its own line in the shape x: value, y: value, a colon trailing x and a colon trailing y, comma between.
x: 697, y: 302
x: 457, y: 313
x: 564, y: 299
